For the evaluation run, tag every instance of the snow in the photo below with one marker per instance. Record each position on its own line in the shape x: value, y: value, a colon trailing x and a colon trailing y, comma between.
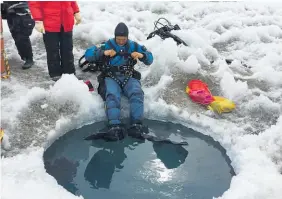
x: 35, y: 111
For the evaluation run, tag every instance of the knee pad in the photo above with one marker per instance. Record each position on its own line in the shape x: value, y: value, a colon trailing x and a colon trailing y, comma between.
x: 137, y: 97
x: 137, y: 91
x: 112, y: 102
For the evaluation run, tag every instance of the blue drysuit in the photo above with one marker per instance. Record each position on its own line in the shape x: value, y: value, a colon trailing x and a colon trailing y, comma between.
x: 132, y: 90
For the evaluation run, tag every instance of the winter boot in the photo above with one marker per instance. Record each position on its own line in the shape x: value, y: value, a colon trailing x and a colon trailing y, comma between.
x: 56, y: 78
x: 28, y: 64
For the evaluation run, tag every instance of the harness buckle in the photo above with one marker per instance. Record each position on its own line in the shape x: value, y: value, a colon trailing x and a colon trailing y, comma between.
x: 127, y: 73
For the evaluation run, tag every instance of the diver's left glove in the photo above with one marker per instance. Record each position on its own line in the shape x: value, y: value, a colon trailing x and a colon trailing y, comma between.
x: 77, y: 18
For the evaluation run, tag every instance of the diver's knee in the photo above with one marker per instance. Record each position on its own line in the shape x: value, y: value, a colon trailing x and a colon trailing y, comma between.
x: 136, y: 92
x: 112, y: 101
x: 137, y: 97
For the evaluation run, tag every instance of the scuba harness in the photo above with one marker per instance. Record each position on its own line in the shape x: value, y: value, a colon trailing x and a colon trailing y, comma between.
x: 127, y: 70
x: 110, y: 71
x: 107, y: 70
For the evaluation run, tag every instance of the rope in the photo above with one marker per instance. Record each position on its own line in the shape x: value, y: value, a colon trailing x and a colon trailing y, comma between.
x: 1, y: 134
x: 3, y: 54
x: 7, y: 66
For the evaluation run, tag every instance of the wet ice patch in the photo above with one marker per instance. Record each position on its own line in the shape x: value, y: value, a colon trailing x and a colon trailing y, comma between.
x: 12, y: 107
x: 232, y: 89
x: 66, y: 105
x: 263, y: 105
x: 154, y: 92
x: 158, y: 8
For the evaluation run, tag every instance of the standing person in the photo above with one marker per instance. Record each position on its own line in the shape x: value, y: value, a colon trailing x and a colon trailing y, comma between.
x: 55, y: 19
x: 20, y: 25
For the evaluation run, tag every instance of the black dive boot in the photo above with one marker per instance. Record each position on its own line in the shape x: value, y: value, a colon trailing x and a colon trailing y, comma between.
x: 110, y: 133
x: 115, y: 132
x: 137, y: 130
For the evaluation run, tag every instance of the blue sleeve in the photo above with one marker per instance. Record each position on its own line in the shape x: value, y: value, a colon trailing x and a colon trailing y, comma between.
x: 148, y: 56
x: 107, y: 45
x: 95, y: 53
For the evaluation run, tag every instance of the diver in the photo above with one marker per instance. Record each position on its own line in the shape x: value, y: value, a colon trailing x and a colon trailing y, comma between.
x: 110, y: 158
x: 104, y: 163
x: 119, y: 55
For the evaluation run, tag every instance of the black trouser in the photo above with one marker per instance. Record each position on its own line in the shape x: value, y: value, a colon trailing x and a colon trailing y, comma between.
x: 21, y: 27
x: 59, y: 48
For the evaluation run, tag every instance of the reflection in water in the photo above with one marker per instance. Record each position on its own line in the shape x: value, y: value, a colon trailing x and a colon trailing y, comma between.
x: 103, y: 164
x: 169, y: 157
x: 65, y: 175
x: 172, y: 156
x: 157, y: 172
x: 100, y: 169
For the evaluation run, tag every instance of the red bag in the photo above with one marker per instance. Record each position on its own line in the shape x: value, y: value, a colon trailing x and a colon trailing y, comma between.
x: 199, y: 92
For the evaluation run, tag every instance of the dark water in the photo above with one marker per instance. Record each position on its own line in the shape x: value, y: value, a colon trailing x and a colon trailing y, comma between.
x: 136, y: 170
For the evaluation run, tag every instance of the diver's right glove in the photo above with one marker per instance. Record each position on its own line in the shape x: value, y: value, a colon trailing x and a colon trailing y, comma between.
x: 137, y: 55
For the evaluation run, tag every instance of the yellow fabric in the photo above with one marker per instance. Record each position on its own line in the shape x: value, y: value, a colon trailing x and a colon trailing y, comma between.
x: 1, y: 134
x: 221, y: 105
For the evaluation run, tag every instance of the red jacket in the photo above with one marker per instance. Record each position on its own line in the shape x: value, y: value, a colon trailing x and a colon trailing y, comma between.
x: 54, y: 14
